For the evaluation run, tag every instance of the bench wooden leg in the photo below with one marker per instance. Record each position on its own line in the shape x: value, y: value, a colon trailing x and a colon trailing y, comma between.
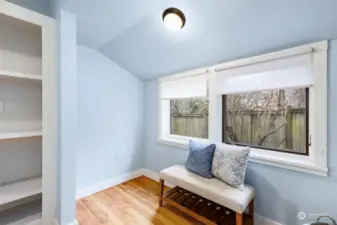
x: 251, y: 210
x: 161, y: 195
x: 239, y: 218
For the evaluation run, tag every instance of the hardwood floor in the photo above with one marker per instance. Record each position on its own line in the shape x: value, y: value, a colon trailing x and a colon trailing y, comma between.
x: 131, y: 203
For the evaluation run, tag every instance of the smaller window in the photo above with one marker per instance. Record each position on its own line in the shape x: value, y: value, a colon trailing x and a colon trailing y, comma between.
x: 189, y: 117
x: 274, y: 120
x: 183, y: 109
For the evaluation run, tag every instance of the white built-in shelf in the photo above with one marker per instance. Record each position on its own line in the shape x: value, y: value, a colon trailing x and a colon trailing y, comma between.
x: 36, y: 222
x: 20, y: 135
x: 20, y: 75
x: 20, y: 190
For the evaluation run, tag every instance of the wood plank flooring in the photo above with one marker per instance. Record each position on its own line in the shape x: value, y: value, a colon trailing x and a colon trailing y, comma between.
x: 132, y: 203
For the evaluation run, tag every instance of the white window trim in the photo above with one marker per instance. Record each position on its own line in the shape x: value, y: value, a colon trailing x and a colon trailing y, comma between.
x: 316, y: 162
x: 163, y: 124
x: 180, y: 141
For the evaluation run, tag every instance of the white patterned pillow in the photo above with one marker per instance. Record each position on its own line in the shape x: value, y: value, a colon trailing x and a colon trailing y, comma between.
x: 229, y: 164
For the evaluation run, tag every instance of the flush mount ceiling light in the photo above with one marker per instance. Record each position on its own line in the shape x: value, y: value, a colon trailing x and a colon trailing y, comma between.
x: 174, y: 19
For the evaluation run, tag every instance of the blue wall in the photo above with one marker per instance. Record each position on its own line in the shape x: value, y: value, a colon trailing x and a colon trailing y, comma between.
x: 110, y: 100
x: 40, y: 6
x: 110, y: 119
x: 67, y: 53
x: 281, y: 194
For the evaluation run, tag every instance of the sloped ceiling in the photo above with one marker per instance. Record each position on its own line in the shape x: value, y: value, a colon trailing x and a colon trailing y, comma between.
x: 131, y: 32
x: 41, y: 6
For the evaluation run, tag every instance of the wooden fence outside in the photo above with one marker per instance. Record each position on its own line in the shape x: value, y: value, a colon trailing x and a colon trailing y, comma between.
x: 249, y: 127
x: 190, y: 125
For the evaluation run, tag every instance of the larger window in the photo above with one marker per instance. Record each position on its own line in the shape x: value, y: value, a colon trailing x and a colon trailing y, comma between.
x: 274, y: 120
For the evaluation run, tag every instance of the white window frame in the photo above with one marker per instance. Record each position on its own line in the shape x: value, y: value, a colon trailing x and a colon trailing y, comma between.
x: 316, y: 161
x: 164, y: 135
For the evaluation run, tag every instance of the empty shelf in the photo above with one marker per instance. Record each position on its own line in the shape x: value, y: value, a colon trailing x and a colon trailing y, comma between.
x: 36, y: 222
x: 23, y: 214
x: 20, y: 135
x: 20, y: 190
x: 20, y: 75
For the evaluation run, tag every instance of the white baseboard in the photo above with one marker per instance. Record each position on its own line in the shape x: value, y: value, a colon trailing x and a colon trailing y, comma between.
x: 105, y: 184
x: 154, y: 176
x: 260, y: 220
x: 57, y: 223
x: 74, y: 223
x: 36, y: 222
x: 150, y: 174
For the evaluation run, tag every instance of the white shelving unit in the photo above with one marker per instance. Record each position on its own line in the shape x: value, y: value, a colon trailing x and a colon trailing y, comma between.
x: 20, y: 190
x: 28, y: 102
x: 10, y: 74
x: 25, y: 60
x: 20, y: 135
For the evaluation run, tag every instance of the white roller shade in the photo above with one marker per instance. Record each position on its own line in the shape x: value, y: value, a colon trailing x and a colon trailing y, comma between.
x: 185, y: 87
x: 283, y: 73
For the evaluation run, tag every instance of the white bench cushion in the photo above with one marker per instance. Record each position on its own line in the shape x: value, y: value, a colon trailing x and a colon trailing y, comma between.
x: 212, y: 189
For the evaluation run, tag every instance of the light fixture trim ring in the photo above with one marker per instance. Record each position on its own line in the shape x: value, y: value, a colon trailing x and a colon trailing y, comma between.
x: 177, y: 12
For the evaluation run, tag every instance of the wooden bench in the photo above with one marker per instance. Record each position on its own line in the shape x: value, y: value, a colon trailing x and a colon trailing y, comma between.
x: 223, y: 200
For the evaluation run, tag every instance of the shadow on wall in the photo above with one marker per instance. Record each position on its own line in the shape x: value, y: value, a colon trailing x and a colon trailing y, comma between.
x: 270, y: 209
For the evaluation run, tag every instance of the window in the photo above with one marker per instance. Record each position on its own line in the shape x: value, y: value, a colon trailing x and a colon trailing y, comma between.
x: 274, y: 120
x: 275, y: 103
x: 183, y: 107
x: 189, y: 117
x: 281, y: 98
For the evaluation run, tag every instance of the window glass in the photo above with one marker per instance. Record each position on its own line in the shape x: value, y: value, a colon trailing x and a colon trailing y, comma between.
x: 189, y: 117
x: 272, y: 120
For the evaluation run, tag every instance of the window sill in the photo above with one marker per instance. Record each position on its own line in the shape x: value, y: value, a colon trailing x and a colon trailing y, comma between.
x: 180, y: 141
x: 277, y: 159
x: 174, y: 142
x: 287, y: 161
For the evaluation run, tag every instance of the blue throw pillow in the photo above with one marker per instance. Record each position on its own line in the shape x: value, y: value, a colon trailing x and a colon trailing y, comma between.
x: 200, y: 159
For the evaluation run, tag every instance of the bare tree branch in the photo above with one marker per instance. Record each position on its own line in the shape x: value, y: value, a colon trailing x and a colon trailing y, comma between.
x: 270, y: 133
x: 281, y: 143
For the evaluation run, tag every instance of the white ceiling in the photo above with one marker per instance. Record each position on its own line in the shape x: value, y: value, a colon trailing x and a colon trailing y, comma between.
x: 131, y: 32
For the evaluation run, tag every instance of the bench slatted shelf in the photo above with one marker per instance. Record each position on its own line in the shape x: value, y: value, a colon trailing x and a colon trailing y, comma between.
x: 204, y: 210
